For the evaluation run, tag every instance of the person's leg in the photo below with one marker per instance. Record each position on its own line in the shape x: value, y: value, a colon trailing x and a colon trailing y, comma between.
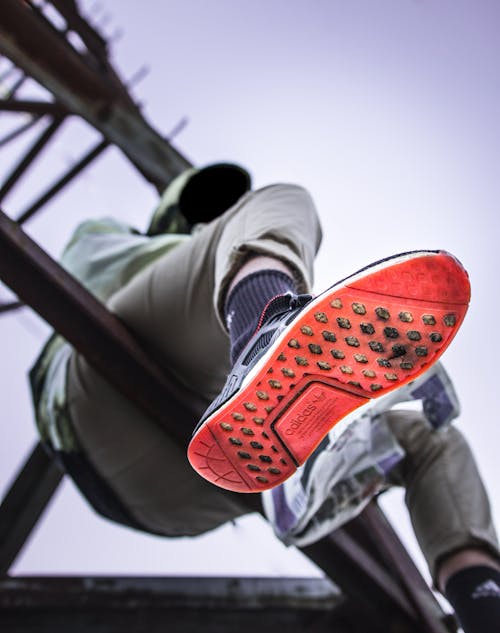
x: 176, y: 308
x: 451, y: 516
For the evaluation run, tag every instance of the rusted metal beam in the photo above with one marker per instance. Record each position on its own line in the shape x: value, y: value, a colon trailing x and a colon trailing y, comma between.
x: 95, y: 93
x: 383, y: 536
x: 30, y: 156
x: 32, y: 107
x: 364, y: 579
x: 24, y: 503
x: 64, y: 180
x: 19, y: 130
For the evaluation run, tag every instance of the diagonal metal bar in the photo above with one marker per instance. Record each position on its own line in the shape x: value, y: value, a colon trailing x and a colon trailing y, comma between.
x: 8, y: 72
x: 99, y: 96
x: 63, y: 181
x: 32, y: 107
x: 385, y: 539
x: 360, y: 575
x: 9, y: 307
x: 11, y: 136
x: 24, y: 503
x: 15, y: 87
x: 30, y: 156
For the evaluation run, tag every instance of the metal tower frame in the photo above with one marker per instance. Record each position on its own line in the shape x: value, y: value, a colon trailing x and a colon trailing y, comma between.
x: 375, y: 586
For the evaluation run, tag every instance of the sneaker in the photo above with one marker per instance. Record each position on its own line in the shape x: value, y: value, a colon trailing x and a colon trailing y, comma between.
x: 312, y: 361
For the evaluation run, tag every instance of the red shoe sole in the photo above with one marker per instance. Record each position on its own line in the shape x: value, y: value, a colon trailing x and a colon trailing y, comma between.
x: 373, y: 333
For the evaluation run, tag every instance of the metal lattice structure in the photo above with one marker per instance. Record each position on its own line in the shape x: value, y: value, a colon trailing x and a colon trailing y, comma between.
x: 375, y: 587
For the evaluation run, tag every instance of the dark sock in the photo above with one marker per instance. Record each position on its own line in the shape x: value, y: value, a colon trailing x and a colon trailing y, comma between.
x: 474, y: 593
x: 246, y: 302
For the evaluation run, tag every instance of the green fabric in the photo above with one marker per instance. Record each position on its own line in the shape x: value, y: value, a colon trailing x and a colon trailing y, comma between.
x: 167, y: 215
x: 104, y: 255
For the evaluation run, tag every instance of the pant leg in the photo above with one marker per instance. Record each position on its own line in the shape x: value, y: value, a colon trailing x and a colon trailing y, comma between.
x: 445, y: 495
x: 174, y: 307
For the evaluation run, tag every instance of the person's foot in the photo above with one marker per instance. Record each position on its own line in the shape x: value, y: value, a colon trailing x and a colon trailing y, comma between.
x: 313, y: 361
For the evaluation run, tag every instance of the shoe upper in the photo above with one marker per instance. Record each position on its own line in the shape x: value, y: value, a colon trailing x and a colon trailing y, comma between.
x: 275, y: 317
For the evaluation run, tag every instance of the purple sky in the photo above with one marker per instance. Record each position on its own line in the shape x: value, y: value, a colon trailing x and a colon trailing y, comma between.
x: 387, y: 111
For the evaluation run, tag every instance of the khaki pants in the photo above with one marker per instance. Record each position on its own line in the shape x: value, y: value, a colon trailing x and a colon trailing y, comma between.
x: 446, y: 499
x: 175, y: 306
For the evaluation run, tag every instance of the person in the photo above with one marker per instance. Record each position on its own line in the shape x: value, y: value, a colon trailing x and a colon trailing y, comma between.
x: 233, y: 299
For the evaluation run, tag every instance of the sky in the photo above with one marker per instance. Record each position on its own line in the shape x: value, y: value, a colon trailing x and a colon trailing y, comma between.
x: 386, y: 110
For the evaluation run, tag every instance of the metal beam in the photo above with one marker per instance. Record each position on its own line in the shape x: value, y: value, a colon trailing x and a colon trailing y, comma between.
x: 15, y: 87
x: 187, y: 605
x: 8, y: 72
x: 98, y: 96
x: 24, y: 503
x: 30, y: 156
x: 9, y: 307
x: 95, y: 43
x: 383, y: 537
x: 11, y: 136
x: 361, y: 577
x: 32, y: 107
x: 182, y: 591
x: 64, y: 180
